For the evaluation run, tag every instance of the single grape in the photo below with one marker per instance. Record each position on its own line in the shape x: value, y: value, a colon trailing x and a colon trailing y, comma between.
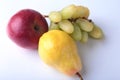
x: 85, y: 25
x: 54, y: 26
x: 81, y: 12
x: 66, y: 26
x: 55, y: 16
x: 67, y: 12
x: 96, y: 32
x: 84, y: 38
x: 76, y: 35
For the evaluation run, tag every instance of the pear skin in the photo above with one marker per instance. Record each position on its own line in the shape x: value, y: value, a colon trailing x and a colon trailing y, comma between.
x: 57, y: 49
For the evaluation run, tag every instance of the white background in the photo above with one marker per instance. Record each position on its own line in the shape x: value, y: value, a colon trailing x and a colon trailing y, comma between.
x: 101, y: 58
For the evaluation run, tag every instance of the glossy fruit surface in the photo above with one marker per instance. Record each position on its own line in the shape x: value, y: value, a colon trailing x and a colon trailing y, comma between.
x: 58, y: 49
x: 25, y: 28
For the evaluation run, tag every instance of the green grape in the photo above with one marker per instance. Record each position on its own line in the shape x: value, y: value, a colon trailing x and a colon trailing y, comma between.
x: 68, y: 11
x: 96, y: 32
x: 84, y: 38
x: 76, y: 35
x: 66, y: 26
x: 54, y: 26
x: 81, y: 12
x: 55, y: 16
x: 85, y: 25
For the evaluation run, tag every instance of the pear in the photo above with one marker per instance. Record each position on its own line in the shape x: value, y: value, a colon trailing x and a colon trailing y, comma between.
x: 57, y: 49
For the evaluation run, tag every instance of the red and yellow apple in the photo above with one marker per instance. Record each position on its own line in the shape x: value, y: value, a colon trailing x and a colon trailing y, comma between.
x: 26, y: 27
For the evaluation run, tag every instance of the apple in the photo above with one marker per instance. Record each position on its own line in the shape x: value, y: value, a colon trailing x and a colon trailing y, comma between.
x: 26, y: 27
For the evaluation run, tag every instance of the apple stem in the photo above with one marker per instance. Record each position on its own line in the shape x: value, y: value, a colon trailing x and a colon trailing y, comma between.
x: 79, y: 75
x: 45, y: 16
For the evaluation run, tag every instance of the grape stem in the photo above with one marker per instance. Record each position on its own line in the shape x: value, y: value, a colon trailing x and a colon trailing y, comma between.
x: 79, y: 75
x: 72, y: 20
x: 87, y: 19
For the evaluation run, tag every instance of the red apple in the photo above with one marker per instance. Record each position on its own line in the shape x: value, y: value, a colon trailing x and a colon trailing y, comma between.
x: 26, y: 27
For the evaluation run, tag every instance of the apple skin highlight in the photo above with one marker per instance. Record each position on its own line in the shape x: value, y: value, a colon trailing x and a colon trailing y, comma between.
x: 26, y: 27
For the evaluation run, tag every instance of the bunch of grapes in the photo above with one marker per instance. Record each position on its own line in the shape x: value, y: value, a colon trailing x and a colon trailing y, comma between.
x: 74, y: 21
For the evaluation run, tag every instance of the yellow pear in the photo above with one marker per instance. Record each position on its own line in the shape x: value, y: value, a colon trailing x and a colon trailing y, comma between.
x: 57, y: 49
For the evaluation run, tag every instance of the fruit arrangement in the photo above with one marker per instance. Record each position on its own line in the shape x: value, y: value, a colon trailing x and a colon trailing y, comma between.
x: 55, y: 43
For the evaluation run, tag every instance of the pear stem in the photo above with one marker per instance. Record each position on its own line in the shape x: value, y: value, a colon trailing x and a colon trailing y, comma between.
x: 79, y: 75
